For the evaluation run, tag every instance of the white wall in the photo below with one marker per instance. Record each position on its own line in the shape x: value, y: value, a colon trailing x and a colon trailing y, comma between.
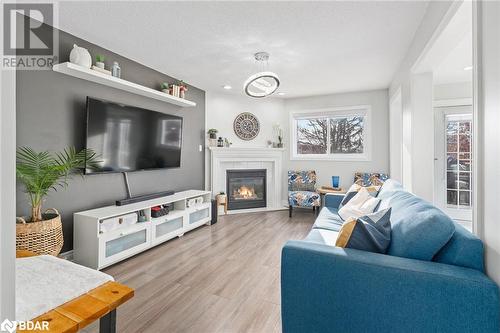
x: 453, y: 90
x: 489, y: 106
x: 222, y: 109
x: 422, y: 133
x: 436, y: 11
x: 378, y: 99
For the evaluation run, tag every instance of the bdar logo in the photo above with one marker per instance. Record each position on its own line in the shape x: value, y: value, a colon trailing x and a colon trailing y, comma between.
x: 8, y: 326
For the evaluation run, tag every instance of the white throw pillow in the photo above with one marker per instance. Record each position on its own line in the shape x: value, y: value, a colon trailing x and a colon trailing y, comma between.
x: 361, y: 204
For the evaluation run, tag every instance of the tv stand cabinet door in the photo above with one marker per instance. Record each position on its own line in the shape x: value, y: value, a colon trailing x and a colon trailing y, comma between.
x: 198, y: 216
x: 165, y: 228
x: 119, y: 245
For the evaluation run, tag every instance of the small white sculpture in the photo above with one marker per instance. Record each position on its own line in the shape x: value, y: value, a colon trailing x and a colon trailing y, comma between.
x: 80, y: 56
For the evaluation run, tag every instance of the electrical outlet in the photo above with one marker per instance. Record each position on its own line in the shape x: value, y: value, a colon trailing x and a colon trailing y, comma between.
x: 200, y: 147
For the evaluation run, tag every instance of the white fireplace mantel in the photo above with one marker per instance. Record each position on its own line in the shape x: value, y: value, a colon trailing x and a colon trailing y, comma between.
x: 271, y: 159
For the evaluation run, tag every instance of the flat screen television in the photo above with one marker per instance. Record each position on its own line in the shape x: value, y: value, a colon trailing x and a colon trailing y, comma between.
x: 129, y: 138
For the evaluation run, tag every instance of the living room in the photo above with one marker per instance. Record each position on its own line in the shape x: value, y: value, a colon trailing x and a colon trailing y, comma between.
x: 250, y: 166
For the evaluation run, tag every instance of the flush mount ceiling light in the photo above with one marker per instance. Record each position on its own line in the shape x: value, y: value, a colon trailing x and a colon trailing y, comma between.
x: 263, y: 83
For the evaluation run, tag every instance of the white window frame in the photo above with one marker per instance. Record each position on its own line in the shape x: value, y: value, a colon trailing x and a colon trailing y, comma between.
x: 359, y: 110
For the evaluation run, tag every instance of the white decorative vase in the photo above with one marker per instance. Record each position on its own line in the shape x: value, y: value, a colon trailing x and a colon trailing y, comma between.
x: 100, y: 64
x: 80, y: 56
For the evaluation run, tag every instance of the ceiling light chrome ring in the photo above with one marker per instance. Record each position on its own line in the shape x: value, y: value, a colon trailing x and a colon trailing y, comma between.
x: 261, y: 75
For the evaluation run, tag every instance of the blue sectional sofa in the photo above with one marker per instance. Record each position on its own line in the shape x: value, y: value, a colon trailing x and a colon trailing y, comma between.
x: 431, y: 279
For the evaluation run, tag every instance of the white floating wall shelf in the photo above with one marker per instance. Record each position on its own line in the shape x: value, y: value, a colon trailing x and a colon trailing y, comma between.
x: 114, y: 82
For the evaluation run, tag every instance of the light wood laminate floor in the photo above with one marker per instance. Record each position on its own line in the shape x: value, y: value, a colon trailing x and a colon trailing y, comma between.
x: 219, y: 278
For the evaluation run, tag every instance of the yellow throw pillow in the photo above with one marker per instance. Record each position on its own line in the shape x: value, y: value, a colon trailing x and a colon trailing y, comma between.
x: 345, y: 232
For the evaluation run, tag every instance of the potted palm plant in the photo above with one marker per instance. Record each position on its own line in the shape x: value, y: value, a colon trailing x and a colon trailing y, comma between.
x: 40, y: 173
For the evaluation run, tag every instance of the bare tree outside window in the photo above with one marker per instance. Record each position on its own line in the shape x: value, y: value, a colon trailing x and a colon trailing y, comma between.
x: 312, y: 136
x: 346, y: 135
x: 330, y: 135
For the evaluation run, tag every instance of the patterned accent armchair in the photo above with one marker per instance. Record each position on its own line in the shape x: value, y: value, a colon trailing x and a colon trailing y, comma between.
x: 369, y: 179
x: 302, y: 190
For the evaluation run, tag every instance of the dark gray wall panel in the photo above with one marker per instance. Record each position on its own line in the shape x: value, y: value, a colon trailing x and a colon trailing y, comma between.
x: 51, y: 116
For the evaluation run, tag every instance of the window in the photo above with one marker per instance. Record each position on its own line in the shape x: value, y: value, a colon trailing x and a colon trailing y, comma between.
x: 337, y: 134
x: 458, y: 161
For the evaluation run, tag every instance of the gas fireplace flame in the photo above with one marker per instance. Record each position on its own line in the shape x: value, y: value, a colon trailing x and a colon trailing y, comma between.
x: 244, y: 192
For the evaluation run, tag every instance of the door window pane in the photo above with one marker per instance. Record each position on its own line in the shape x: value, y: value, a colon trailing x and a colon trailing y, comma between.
x: 451, y: 143
x: 464, y: 156
x: 464, y: 199
x: 451, y: 180
x: 465, y: 128
x: 464, y: 143
x: 451, y: 161
x: 452, y: 197
x: 465, y: 165
x: 464, y: 181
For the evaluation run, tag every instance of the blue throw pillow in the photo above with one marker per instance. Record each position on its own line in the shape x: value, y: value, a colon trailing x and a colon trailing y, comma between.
x: 371, y: 232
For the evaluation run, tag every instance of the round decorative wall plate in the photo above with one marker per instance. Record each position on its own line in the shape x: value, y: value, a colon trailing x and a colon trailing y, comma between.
x: 246, y: 126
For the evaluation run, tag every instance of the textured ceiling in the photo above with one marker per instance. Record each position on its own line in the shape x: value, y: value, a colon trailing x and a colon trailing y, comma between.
x: 315, y: 47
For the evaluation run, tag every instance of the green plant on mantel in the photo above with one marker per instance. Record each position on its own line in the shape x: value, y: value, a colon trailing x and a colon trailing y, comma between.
x: 164, y: 85
x: 41, y: 172
x: 212, y: 131
x: 99, y: 58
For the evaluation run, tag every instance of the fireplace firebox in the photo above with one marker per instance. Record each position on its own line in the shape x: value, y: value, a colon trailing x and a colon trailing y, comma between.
x: 246, y: 188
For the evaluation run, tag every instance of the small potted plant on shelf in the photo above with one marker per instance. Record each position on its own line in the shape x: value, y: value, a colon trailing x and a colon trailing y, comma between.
x: 165, y: 88
x: 41, y: 172
x: 212, y: 133
x: 99, y: 61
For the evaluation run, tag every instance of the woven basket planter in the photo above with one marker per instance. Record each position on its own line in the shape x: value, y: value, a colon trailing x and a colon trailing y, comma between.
x: 44, y: 237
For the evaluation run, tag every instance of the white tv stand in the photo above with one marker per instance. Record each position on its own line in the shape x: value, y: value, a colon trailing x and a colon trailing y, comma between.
x: 98, y: 249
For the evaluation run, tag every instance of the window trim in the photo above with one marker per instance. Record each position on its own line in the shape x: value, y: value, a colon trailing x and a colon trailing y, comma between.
x: 362, y: 110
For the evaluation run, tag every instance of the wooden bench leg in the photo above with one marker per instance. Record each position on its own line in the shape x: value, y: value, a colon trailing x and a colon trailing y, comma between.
x: 107, y: 324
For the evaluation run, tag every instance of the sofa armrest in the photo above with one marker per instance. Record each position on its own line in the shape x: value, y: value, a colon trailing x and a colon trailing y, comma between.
x: 333, y: 200
x: 331, y: 289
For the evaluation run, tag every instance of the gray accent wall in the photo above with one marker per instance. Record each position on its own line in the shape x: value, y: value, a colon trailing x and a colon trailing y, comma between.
x: 51, y: 116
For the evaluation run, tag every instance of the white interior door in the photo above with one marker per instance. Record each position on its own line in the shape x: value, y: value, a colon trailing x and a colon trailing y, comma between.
x: 454, y: 161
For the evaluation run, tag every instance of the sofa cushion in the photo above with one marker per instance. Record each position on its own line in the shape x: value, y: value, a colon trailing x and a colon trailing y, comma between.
x: 322, y: 236
x: 463, y: 249
x: 371, y: 232
x: 361, y: 204
x: 328, y: 219
x: 388, y: 188
x: 354, y: 189
x: 419, y: 230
